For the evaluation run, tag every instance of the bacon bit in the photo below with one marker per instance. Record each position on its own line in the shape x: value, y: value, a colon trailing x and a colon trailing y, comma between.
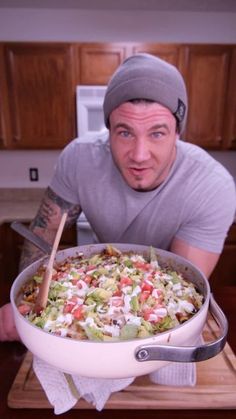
x: 88, y: 279
x: 57, y: 333
x: 94, y: 282
x: 181, y: 317
x: 117, y: 293
x: 90, y: 268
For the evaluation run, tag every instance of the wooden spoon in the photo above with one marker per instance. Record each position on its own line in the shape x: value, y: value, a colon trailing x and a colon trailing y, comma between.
x: 42, y: 296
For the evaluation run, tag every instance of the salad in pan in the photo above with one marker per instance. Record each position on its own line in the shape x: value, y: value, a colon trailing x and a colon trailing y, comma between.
x: 111, y: 296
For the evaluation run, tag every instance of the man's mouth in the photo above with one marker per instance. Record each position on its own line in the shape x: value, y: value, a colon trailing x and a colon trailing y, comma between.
x: 138, y: 171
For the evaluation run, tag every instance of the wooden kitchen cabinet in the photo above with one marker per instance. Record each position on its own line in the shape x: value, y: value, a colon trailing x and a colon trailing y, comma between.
x: 38, y: 87
x: 98, y: 61
x: 168, y: 52
x: 225, y: 271
x: 229, y: 122
x: 41, y: 79
x: 4, y: 104
x: 209, y: 72
x: 206, y: 69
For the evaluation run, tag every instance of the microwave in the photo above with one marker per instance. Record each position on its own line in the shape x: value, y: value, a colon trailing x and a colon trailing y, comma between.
x: 89, y: 109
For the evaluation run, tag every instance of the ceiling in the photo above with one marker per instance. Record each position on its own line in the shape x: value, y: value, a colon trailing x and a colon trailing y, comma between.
x: 161, y: 5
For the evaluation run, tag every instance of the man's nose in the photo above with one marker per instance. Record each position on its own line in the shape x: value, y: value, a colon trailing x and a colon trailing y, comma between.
x: 140, y: 150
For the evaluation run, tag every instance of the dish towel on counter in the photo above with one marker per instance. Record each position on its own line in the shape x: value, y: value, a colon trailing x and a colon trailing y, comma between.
x: 64, y: 390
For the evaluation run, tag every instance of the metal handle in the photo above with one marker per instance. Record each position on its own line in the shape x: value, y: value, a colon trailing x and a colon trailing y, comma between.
x: 84, y: 226
x: 188, y: 353
x: 32, y: 237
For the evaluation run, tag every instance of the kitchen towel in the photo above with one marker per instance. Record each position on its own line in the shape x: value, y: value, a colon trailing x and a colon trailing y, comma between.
x: 64, y: 390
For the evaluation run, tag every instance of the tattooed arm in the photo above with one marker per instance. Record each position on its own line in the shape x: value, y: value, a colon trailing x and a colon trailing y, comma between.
x: 46, y: 223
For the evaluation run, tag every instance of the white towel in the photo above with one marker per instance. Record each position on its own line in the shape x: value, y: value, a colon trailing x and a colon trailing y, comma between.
x: 63, y: 390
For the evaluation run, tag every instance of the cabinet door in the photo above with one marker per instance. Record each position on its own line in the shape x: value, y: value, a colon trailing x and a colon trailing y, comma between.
x: 41, y: 92
x: 4, y: 105
x: 99, y: 61
x: 230, y: 116
x: 167, y: 52
x: 206, y: 74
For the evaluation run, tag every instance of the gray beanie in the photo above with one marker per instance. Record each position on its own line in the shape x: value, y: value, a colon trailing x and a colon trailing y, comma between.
x: 144, y: 76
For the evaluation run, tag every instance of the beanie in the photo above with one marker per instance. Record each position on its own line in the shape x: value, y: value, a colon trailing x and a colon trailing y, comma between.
x: 144, y: 76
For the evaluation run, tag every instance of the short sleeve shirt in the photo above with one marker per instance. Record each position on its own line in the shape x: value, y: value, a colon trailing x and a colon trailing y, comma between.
x: 195, y: 203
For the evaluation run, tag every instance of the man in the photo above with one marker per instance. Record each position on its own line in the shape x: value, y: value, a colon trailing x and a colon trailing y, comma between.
x: 139, y: 183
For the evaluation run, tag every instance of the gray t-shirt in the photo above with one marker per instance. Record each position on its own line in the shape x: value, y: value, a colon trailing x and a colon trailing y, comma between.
x: 196, y: 202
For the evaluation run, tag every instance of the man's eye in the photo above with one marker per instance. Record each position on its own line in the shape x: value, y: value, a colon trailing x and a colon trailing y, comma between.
x: 124, y: 134
x: 157, y: 134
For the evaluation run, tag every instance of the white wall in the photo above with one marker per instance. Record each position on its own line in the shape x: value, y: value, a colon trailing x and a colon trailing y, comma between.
x: 14, y: 168
x: 116, y: 25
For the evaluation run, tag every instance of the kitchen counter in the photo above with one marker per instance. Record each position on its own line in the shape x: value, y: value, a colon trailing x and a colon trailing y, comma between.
x: 19, y: 204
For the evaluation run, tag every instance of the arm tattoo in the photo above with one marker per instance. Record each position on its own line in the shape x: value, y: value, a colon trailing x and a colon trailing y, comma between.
x: 51, y: 206
x: 46, y: 223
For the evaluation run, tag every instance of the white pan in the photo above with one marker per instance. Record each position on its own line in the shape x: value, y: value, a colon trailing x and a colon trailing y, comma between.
x: 125, y: 358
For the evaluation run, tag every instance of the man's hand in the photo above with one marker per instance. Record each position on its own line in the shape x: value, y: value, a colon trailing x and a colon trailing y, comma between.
x: 7, y: 325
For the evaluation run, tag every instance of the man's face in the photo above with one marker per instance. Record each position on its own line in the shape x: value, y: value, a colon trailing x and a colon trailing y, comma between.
x: 142, y: 139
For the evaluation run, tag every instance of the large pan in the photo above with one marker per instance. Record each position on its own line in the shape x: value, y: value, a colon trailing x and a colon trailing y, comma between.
x: 125, y: 358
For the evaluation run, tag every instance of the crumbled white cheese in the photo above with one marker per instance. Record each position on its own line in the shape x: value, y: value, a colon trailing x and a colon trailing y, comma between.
x: 112, y: 330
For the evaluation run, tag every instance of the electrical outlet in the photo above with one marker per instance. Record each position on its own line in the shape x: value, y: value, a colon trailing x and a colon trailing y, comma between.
x: 33, y: 174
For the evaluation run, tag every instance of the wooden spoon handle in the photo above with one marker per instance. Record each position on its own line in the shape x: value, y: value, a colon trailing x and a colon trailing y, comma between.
x: 42, y: 297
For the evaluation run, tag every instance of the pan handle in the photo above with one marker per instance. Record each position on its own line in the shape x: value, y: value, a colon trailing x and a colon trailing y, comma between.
x: 32, y: 237
x: 188, y: 353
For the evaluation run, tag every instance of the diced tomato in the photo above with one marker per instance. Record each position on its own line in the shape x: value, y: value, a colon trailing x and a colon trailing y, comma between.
x: 68, y: 308
x: 78, y: 313
x: 146, y: 313
x: 144, y: 296
x: 144, y: 266
x: 146, y: 287
x: 24, y: 309
x: 125, y: 280
x: 70, y: 305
